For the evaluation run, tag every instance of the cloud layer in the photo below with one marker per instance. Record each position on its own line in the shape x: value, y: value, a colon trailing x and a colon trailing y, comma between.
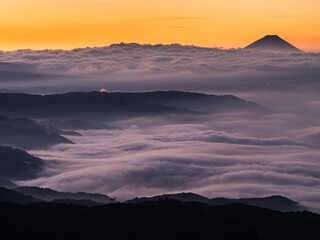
x: 149, y: 160
x: 272, y: 79
x: 231, y: 155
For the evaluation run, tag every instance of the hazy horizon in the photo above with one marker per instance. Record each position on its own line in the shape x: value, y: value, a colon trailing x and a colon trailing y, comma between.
x: 210, y: 46
x: 37, y: 24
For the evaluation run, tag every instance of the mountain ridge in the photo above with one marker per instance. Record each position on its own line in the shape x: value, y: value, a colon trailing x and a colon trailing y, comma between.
x: 101, y: 106
x: 272, y: 43
x: 274, y: 202
x: 165, y: 219
x: 27, y: 134
x: 49, y: 195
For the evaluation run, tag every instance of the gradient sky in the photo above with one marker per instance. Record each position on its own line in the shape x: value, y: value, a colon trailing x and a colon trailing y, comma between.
x: 40, y: 24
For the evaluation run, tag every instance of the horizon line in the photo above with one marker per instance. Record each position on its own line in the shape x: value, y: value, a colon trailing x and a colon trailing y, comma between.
x: 140, y: 44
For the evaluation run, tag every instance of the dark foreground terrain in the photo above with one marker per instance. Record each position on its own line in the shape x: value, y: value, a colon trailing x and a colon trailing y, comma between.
x: 165, y: 219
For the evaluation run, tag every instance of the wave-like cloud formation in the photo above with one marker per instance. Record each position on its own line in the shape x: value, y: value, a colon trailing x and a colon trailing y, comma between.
x: 221, y: 137
x: 221, y: 155
x: 171, y: 62
x: 149, y: 160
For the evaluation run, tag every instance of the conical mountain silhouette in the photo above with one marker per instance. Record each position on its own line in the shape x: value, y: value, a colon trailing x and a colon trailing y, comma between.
x: 273, y: 43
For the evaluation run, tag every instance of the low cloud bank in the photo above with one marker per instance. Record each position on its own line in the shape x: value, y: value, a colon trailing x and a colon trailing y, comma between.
x: 145, y: 161
x: 275, y: 80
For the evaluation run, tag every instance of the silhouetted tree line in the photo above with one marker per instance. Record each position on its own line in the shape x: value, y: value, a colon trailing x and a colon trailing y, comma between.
x: 165, y: 219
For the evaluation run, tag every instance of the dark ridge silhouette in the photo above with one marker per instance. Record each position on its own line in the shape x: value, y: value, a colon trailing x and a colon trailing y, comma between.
x: 26, y: 134
x: 47, y: 194
x: 277, y: 203
x: 16, y: 164
x: 100, y: 106
x: 182, y: 197
x: 11, y: 196
x: 272, y: 43
x: 25, y: 123
x: 85, y: 203
x: 162, y: 220
x: 80, y: 106
x: 52, y: 129
x: 197, y: 102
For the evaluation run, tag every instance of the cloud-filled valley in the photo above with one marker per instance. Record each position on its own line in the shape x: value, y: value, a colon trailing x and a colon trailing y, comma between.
x: 230, y: 154
x: 174, y: 158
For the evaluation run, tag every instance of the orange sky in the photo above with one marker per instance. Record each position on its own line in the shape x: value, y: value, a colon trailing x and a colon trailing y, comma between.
x: 39, y: 24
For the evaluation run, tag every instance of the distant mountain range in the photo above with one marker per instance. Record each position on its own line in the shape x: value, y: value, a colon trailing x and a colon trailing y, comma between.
x: 277, y: 203
x: 272, y: 43
x: 101, y: 106
x: 26, y: 134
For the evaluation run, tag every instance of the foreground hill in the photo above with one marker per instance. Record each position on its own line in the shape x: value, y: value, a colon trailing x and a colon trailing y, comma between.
x: 277, y: 203
x: 26, y: 134
x: 11, y: 196
x: 110, y: 106
x: 165, y: 219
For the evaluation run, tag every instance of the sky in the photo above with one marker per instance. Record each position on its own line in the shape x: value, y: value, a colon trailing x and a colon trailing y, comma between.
x: 67, y: 24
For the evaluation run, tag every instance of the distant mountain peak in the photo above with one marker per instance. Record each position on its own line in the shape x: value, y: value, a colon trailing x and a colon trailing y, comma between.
x: 272, y: 43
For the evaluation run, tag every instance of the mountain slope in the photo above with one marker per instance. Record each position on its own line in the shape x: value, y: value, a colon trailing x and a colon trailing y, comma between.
x: 277, y: 203
x: 97, y: 106
x: 198, y: 102
x: 49, y: 195
x: 10, y: 196
x: 272, y: 43
x: 7, y: 184
x: 16, y: 164
x: 26, y: 134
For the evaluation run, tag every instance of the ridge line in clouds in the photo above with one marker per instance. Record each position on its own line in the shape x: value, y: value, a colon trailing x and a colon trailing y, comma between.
x: 223, y: 137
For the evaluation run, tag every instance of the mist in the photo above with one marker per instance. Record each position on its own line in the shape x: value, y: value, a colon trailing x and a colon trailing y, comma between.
x: 146, y: 156
x: 234, y: 154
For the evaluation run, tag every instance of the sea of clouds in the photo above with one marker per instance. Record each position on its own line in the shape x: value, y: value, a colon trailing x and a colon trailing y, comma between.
x: 145, y: 157
x: 133, y: 67
x: 229, y: 155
